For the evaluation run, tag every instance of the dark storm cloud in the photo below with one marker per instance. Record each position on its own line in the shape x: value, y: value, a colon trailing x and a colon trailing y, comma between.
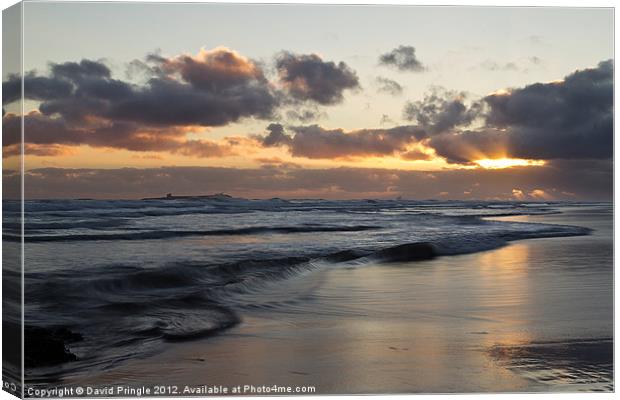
x: 84, y: 69
x: 214, y: 88
x: 562, y: 180
x: 316, y: 142
x: 168, y: 102
x: 402, y: 58
x: 37, y: 87
x: 80, y: 103
x: 389, y: 86
x: 58, y: 85
x: 442, y: 110
x: 567, y: 119
x: 572, y: 118
x: 307, y: 77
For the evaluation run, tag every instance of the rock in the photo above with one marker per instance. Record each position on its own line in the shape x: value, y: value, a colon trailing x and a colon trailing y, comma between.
x: 46, y: 347
x: 407, y: 252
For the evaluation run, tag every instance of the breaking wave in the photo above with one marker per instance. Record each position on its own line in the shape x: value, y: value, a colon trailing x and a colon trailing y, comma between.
x: 163, y: 234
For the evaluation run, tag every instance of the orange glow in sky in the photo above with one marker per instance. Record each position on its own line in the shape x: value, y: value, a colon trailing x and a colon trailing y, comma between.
x: 498, y: 163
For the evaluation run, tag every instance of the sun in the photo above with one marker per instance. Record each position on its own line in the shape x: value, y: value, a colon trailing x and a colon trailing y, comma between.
x: 498, y: 163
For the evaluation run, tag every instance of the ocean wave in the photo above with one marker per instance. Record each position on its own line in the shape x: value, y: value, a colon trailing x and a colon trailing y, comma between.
x: 95, y: 224
x: 181, y: 206
x: 164, y: 234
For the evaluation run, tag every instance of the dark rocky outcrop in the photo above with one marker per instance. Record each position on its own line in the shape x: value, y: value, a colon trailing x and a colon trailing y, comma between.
x: 47, y: 347
x: 407, y: 252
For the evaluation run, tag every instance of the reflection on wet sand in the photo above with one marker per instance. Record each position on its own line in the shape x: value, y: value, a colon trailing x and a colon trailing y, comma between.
x: 581, y: 363
x: 506, y: 268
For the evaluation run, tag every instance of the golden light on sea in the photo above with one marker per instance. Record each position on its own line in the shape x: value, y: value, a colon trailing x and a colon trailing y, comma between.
x: 498, y: 163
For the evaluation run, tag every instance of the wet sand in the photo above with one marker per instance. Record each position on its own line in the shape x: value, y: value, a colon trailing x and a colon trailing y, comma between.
x: 536, y: 315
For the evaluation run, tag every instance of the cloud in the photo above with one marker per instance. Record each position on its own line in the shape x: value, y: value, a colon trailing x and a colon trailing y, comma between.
x: 567, y: 119
x: 203, y: 149
x: 39, y: 128
x: 276, y: 162
x: 385, y: 119
x: 59, y: 85
x: 494, y: 66
x: 523, y: 65
x: 47, y: 150
x: 37, y: 87
x: 307, y: 114
x: 572, y: 118
x: 307, y: 77
x: 518, y: 194
x: 213, y: 88
x: 213, y: 70
x: 388, y: 86
x: 590, y: 180
x: 48, y: 136
x: 465, y: 147
x: 403, y: 58
x: 276, y: 136
x: 80, y: 103
x: 416, y: 155
x: 442, y: 110
x: 317, y: 142
x: 535, y: 60
x: 82, y: 70
x: 168, y: 102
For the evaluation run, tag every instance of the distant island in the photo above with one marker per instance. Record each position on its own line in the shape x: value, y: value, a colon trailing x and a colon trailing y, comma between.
x: 170, y: 196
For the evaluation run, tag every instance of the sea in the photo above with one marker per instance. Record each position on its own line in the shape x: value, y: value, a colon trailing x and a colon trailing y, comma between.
x: 127, y: 277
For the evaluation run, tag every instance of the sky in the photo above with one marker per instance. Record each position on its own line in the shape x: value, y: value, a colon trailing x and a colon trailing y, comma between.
x: 131, y: 100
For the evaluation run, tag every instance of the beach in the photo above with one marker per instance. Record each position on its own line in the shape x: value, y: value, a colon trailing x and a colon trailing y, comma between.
x: 534, y: 315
